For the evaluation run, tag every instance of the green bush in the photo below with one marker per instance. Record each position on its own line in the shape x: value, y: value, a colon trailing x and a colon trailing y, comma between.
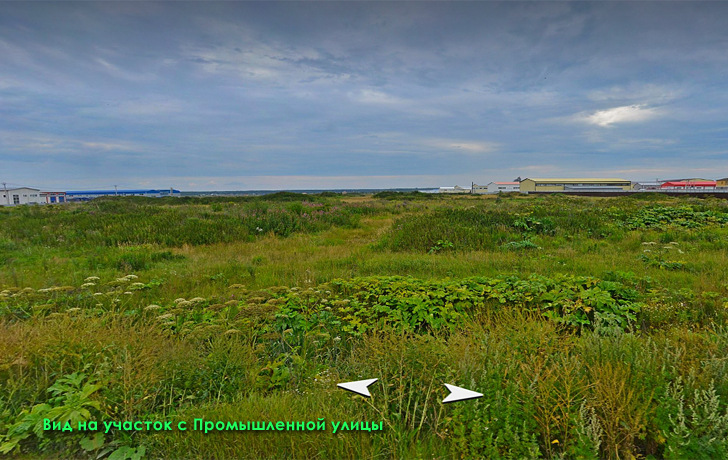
x: 421, y: 306
x: 675, y: 216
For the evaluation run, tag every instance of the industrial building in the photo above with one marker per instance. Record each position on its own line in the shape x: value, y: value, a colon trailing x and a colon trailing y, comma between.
x: 503, y: 187
x: 496, y: 187
x: 722, y: 183
x: 689, y: 185
x: 647, y: 185
x: 456, y: 189
x: 575, y: 185
x: 21, y: 195
x: 53, y: 197
x: 85, y: 195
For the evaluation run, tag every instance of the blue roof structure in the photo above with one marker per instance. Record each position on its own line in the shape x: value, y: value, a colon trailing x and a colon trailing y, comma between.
x: 119, y: 192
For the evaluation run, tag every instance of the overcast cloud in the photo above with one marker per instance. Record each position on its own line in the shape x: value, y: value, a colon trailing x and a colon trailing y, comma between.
x: 266, y: 95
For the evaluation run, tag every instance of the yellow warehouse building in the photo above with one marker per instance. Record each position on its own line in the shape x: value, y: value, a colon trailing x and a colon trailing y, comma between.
x: 576, y: 184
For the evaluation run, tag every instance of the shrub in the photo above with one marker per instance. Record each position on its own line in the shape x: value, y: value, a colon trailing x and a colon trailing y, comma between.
x: 520, y: 245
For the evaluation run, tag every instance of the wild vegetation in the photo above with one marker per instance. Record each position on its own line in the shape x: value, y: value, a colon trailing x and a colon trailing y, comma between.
x: 594, y: 327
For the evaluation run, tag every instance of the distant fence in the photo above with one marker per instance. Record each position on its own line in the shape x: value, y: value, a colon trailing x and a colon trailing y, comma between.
x: 696, y: 193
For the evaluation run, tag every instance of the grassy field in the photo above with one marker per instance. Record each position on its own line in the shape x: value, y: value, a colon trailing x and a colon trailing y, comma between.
x: 594, y: 327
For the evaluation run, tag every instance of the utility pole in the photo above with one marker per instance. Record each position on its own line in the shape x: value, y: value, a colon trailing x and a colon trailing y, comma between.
x: 7, y: 197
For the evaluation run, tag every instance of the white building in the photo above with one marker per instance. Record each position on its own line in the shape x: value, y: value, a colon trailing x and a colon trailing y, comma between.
x: 456, y: 189
x: 647, y: 185
x: 497, y: 187
x: 22, y: 195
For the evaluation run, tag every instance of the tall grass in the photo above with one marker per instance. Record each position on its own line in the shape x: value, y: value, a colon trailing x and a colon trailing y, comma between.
x: 113, y: 223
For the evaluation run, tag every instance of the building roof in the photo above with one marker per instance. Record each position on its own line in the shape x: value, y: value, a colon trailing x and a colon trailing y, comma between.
x: 20, y: 188
x: 723, y: 179
x: 506, y: 183
x: 577, y: 180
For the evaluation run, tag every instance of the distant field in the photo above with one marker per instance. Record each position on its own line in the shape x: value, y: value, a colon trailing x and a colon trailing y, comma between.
x: 594, y: 327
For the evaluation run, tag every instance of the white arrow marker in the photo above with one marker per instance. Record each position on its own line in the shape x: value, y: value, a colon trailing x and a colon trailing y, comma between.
x: 460, y: 394
x: 358, y: 387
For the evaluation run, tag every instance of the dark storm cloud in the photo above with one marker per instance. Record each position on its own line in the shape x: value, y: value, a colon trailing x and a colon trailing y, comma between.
x: 250, y: 95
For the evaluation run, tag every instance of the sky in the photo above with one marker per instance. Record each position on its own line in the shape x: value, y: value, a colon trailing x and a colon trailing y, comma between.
x: 325, y: 95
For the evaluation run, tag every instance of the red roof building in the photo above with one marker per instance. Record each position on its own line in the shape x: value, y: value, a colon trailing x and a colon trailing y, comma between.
x: 702, y: 184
